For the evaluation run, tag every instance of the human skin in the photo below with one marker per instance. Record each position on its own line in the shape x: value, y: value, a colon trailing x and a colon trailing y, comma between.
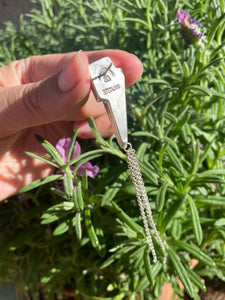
x: 50, y: 96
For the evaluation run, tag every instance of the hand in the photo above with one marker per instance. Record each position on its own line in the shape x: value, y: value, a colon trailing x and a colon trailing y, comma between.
x: 50, y: 96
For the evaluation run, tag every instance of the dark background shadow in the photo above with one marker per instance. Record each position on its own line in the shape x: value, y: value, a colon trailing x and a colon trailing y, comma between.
x: 10, y: 10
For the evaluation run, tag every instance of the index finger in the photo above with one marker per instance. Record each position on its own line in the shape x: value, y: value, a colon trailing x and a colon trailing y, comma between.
x: 36, y: 68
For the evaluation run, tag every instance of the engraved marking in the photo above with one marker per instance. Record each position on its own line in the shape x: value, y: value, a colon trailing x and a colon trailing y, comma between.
x: 103, y: 72
x: 106, y: 78
x: 111, y: 89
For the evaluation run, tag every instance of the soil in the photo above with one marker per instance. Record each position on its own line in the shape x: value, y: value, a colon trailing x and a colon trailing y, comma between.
x: 10, y: 10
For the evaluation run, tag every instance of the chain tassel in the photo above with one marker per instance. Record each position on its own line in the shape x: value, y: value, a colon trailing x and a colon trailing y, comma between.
x: 142, y: 199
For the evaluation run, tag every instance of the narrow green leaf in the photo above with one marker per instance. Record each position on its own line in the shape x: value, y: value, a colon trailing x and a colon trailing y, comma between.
x: 156, y: 98
x: 78, y: 28
x: 114, y: 188
x: 97, y: 217
x: 207, y: 177
x: 218, y: 95
x: 141, y: 151
x: 186, y: 69
x: 161, y: 156
x: 211, y: 200
x: 48, y: 218
x: 158, y: 81
x: 87, y: 156
x: 61, y: 228
x: 91, y: 230
x: 145, y: 134
x: 213, y: 30
x: 186, y: 133
x: 98, y: 137
x: 212, y: 172
x: 51, y: 150
x: 195, y: 278
x: 195, y: 221
x: 144, y: 282
x: 185, y: 279
x: 202, y: 70
x: 65, y: 206
x: 138, y: 255
x: 170, y: 117
x: 116, y: 255
x: 184, y: 116
x: 163, y: 8
x: 78, y: 226
x: 137, y: 20
x: 171, y: 143
x: 84, y: 181
x: 222, y: 233
x: 126, y: 219
x: 195, y: 155
x: 68, y: 185
x: 170, y: 214
x: 110, y: 194
x: 175, y: 56
x: 160, y: 198
x: 206, y: 151
x: 71, y: 148
x: 40, y: 182
x: 194, y: 88
x: 147, y: 172
x: 78, y: 198
x: 212, y: 273
x: 176, y: 229
x: 46, y: 160
x: 138, y: 264
x: 220, y: 223
x: 174, y: 159
x: 158, y: 285
x: 196, y: 252
x: 148, y: 266
x: 59, y: 193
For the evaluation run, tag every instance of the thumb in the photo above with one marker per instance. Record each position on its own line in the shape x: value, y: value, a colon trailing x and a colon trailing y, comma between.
x: 55, y: 98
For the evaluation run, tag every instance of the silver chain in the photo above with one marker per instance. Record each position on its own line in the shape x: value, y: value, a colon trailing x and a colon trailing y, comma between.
x: 142, y: 199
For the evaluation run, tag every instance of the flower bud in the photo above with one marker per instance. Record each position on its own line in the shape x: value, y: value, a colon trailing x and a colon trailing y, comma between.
x: 190, y: 28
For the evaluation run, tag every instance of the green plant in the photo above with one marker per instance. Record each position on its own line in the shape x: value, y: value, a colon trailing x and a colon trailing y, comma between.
x: 91, y: 239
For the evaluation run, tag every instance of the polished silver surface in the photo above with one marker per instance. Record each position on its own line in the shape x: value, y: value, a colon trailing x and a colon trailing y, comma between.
x: 109, y: 87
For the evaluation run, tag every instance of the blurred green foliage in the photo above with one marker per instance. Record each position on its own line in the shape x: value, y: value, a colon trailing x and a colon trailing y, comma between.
x: 91, y: 239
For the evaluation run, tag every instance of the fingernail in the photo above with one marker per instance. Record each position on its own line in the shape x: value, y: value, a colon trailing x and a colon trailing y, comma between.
x: 71, y: 74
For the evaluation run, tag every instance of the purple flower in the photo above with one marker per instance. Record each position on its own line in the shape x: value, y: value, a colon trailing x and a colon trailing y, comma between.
x: 92, y: 171
x: 190, y: 28
x: 63, y: 145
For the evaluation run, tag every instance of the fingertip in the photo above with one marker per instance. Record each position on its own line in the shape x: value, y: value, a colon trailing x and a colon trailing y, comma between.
x: 102, y: 124
x: 133, y: 70
x: 83, y: 60
x: 131, y: 66
x: 128, y: 62
x: 75, y: 71
x: 84, y: 130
